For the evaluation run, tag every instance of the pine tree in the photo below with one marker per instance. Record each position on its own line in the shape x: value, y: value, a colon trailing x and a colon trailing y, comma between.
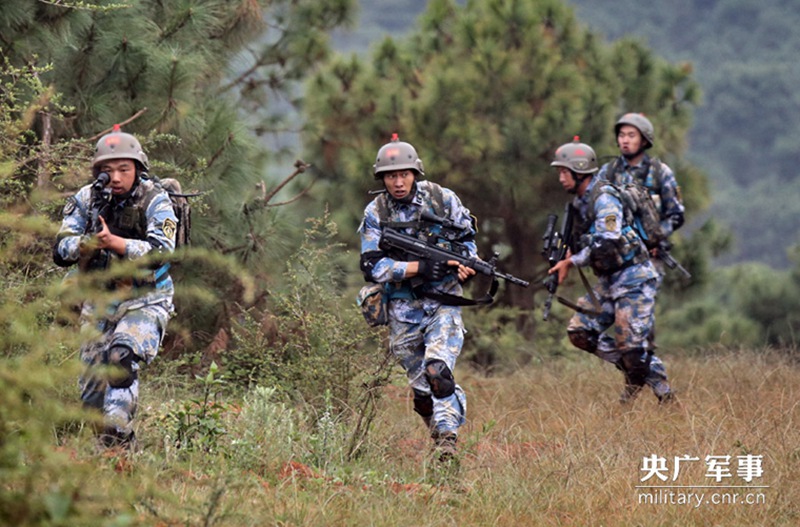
x: 486, y: 92
x: 198, y: 80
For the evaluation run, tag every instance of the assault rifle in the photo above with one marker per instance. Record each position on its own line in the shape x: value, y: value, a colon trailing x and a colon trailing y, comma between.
x: 101, y: 195
x: 664, y: 255
x: 556, y: 244
x: 393, y: 240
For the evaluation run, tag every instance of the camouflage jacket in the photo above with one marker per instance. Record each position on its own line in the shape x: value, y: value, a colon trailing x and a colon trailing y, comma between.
x: 405, y: 306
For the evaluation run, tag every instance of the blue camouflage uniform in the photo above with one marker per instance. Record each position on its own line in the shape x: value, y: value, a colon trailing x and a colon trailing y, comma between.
x: 660, y: 181
x: 423, y: 331
x: 663, y: 188
x: 625, y: 288
x: 135, y: 325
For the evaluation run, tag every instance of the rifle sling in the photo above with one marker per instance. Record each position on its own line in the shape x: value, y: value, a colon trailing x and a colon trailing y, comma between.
x: 595, y: 302
x: 572, y: 305
x: 452, y: 300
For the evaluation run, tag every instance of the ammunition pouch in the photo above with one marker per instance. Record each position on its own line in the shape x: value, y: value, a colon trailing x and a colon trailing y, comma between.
x: 374, y: 304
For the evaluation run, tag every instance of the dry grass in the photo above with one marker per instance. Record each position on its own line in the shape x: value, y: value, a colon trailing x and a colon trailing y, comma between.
x: 548, y: 446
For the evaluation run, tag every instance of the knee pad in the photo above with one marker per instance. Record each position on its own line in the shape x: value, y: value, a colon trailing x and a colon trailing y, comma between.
x: 423, y: 403
x: 636, y: 364
x: 585, y: 340
x: 123, y: 374
x: 440, y: 379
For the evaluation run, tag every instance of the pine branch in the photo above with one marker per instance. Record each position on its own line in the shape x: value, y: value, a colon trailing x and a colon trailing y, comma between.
x: 264, y: 199
x: 123, y: 123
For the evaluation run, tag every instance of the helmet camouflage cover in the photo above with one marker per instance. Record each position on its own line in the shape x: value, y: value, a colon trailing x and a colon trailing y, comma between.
x: 397, y: 155
x: 576, y: 156
x: 119, y: 145
x: 641, y: 123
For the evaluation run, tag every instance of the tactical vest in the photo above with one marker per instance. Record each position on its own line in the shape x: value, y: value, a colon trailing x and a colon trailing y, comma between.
x: 609, y: 256
x: 652, y: 180
x: 434, y: 200
x: 130, y: 219
x: 436, y: 203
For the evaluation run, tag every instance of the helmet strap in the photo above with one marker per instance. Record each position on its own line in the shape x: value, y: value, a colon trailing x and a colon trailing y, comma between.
x: 579, y: 179
x: 408, y: 198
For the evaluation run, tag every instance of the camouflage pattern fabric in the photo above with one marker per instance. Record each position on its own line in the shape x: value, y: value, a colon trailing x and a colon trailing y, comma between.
x: 137, y: 323
x: 660, y: 182
x: 439, y: 335
x: 137, y: 326
x: 161, y: 223
x: 663, y: 187
x: 422, y: 329
x: 626, y: 297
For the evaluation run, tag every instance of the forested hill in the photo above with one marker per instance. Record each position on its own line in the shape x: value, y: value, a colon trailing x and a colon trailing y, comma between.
x: 745, y: 130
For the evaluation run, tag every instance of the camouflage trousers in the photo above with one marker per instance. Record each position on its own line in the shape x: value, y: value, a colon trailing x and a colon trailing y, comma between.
x: 657, y: 379
x: 140, y: 329
x: 628, y: 308
x: 438, y: 336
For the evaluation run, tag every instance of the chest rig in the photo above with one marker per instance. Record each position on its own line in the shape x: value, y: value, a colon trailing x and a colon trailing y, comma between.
x: 608, y: 256
x: 649, y: 175
x: 128, y: 217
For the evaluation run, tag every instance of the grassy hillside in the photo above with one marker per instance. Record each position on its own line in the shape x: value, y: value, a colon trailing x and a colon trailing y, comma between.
x: 546, y: 446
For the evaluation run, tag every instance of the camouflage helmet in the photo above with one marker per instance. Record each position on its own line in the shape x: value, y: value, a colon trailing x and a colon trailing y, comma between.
x: 397, y: 155
x: 119, y: 145
x: 576, y: 156
x: 641, y: 123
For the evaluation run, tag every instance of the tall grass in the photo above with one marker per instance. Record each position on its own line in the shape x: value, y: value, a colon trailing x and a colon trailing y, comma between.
x: 548, y: 445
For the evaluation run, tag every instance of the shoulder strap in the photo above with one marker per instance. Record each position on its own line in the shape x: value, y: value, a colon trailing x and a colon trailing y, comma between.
x: 613, y: 175
x: 383, y: 208
x: 437, y: 197
x: 657, y: 172
x: 144, y: 203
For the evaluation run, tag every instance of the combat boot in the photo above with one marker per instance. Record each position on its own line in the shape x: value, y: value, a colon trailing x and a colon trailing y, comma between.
x: 444, y: 445
x: 112, y: 438
x: 630, y: 391
x: 667, y: 398
x: 629, y: 394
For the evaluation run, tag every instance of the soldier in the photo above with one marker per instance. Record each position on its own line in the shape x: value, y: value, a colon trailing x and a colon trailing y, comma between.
x: 426, y: 335
x: 635, y: 135
x: 606, y: 241
x: 121, y: 216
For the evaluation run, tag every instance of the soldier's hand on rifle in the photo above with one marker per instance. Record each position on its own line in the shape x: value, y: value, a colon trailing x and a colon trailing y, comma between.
x: 464, y: 272
x: 562, y: 267
x: 434, y: 270
x: 106, y: 240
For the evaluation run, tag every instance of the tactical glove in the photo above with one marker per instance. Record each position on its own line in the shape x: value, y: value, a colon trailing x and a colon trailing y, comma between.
x: 433, y: 270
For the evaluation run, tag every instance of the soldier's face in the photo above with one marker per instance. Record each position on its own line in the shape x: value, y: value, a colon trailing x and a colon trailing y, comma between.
x: 122, y: 173
x: 399, y: 183
x: 567, y: 180
x: 629, y: 140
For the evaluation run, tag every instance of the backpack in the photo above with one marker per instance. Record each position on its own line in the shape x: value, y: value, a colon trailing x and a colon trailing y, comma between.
x: 182, y: 209
x: 636, y: 197
x: 645, y: 216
